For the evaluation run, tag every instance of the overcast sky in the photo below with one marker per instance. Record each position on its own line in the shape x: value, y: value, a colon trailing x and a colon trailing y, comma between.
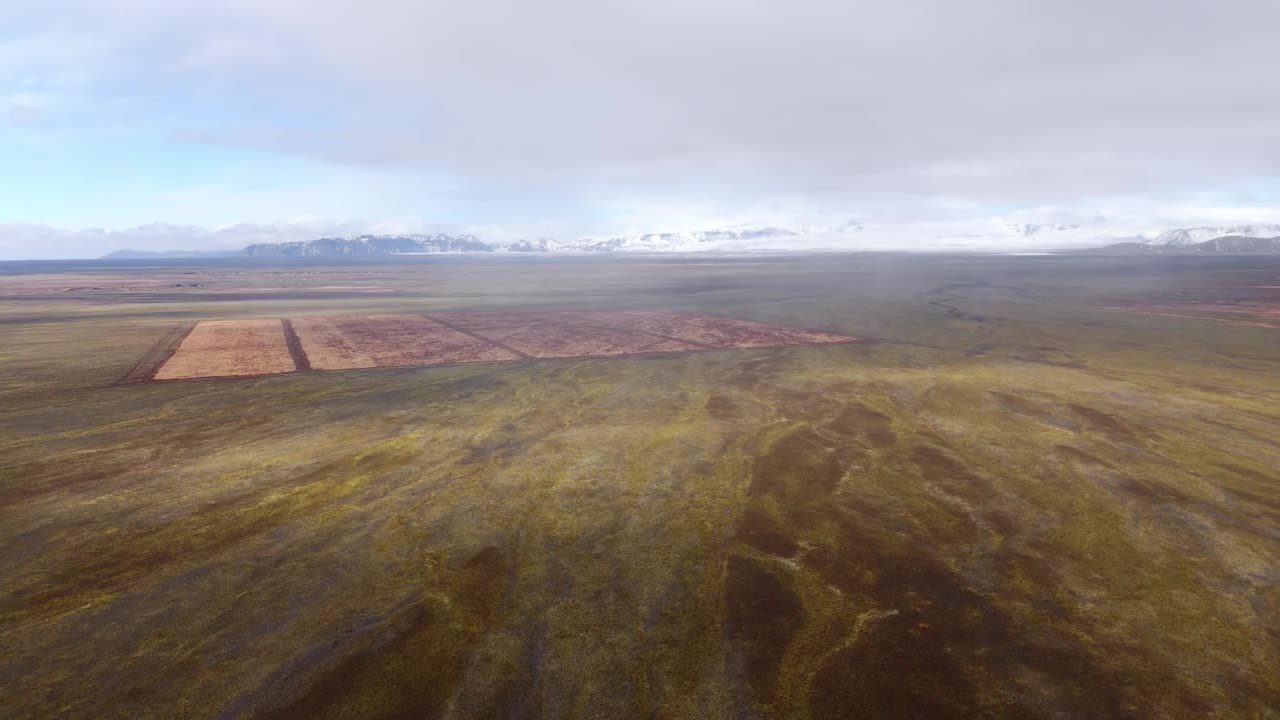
x: 283, y: 118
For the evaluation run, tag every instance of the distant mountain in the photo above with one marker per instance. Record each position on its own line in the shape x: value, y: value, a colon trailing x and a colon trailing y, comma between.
x: 1236, y: 245
x: 130, y: 254
x: 847, y: 237
x: 1027, y: 230
x: 1192, y: 236
x: 1226, y: 245
x: 675, y: 241
x: 370, y: 245
x: 526, y: 246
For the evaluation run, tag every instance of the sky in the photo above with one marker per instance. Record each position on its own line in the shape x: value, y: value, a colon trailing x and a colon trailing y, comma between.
x: 174, y: 124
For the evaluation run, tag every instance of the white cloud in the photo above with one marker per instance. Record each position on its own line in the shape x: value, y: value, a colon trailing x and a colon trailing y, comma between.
x: 25, y: 108
x: 31, y: 241
x: 655, y: 114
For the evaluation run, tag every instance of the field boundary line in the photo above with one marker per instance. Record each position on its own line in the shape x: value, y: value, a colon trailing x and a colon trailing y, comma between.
x: 301, y: 363
x: 682, y: 341
x: 491, y: 341
x: 157, y: 355
x: 849, y: 339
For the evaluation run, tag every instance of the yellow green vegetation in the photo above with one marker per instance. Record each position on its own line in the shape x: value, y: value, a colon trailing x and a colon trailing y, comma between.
x: 1007, y: 505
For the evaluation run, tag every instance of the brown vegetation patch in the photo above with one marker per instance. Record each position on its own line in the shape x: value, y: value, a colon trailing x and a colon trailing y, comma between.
x: 230, y: 348
x: 798, y: 468
x: 933, y: 637
x: 858, y: 419
x: 1108, y: 425
x: 548, y: 335
x: 901, y: 669
x: 1029, y: 408
x: 409, y: 666
x: 389, y: 341
x: 720, y: 407
x: 226, y: 348
x: 1257, y: 314
x: 761, y: 532
x: 1076, y: 453
x: 327, y: 346
x: 714, y: 331
x: 761, y: 618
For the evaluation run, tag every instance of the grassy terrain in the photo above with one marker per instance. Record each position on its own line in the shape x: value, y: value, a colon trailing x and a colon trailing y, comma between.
x: 1009, y: 502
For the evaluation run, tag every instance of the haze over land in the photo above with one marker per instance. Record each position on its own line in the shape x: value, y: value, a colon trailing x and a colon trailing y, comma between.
x: 185, y: 125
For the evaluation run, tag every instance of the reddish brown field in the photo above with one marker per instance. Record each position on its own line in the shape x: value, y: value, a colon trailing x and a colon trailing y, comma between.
x: 1255, y: 314
x: 231, y: 348
x: 335, y: 343
x: 1256, y: 305
x: 714, y: 331
x: 562, y: 335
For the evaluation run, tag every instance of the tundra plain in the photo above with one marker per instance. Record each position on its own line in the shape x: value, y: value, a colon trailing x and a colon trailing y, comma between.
x: 1029, y: 492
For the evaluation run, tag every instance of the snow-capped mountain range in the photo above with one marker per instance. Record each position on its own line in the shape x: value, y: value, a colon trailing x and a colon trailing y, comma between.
x: 365, y: 245
x: 1191, y: 236
x: 993, y: 236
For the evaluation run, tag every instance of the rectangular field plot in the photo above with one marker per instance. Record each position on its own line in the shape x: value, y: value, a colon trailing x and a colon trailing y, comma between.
x: 337, y: 343
x: 229, y: 348
x: 563, y: 335
x: 713, y: 331
x: 241, y: 348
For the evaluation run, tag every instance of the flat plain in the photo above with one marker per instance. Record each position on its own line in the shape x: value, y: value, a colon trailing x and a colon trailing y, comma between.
x: 1039, y: 487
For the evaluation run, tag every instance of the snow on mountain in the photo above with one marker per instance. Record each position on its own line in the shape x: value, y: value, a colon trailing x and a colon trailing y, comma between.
x: 853, y: 236
x: 1228, y: 245
x: 370, y: 245
x: 1191, y: 236
x: 1027, y: 230
x: 994, y: 235
x: 675, y: 241
x: 539, y: 245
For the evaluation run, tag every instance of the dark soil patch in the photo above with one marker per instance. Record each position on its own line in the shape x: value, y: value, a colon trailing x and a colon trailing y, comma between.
x: 1107, y: 424
x: 410, y: 667
x: 1029, y: 408
x: 1078, y: 454
x: 927, y: 659
x: 300, y: 361
x: 859, y: 420
x: 798, y: 466
x: 761, y: 618
x: 937, y: 466
x: 720, y: 407
x: 761, y: 532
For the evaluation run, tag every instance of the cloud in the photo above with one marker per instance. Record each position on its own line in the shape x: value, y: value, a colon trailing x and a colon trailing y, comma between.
x: 31, y: 241
x: 25, y: 108
x: 656, y: 113
x: 1000, y: 99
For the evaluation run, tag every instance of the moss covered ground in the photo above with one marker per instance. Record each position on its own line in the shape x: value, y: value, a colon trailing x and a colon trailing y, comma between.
x: 1008, y: 502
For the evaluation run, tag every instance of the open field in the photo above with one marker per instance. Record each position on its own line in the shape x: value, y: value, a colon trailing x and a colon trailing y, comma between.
x: 244, y: 348
x: 1257, y: 305
x: 1010, y: 500
x: 228, y: 348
